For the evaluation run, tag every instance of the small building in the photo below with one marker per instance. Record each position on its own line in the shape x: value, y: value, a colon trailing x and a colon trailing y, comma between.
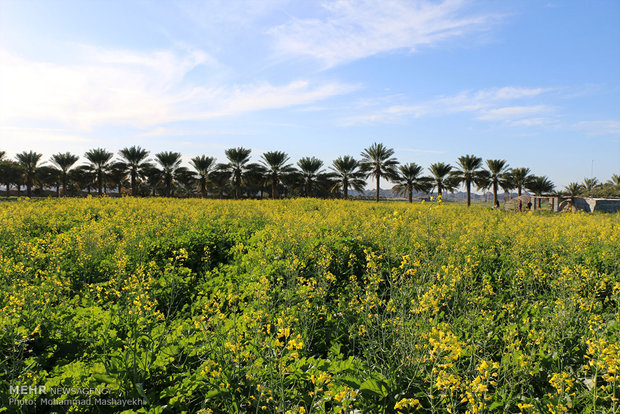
x: 566, y: 203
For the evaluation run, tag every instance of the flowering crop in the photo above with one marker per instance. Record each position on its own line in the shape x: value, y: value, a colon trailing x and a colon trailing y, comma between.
x: 310, y: 306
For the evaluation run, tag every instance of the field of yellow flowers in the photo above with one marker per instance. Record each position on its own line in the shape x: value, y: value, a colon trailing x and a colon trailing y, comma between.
x: 308, y: 306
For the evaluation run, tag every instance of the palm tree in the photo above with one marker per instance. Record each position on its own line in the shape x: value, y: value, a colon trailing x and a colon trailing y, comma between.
x: 186, y: 179
x: 135, y: 161
x: 497, y: 175
x: 611, y: 188
x: 409, y: 179
x: 153, y: 176
x: 483, y: 182
x: 275, y: 163
x: 117, y: 174
x: 507, y: 184
x: 4, y: 168
x: 99, y: 160
x: 291, y: 183
x: 29, y: 162
x: 10, y: 173
x: 84, y: 176
x: 589, y: 184
x: 346, y: 173
x: 237, y: 165
x: 540, y: 185
x: 48, y: 177
x: 573, y: 190
x: 324, y: 184
x: 255, y: 179
x: 310, y: 168
x: 469, y: 172
x: 169, y: 162
x: 220, y: 179
x: 377, y: 162
x: 64, y: 162
x: 519, y: 178
x: 204, y: 166
x: 441, y: 177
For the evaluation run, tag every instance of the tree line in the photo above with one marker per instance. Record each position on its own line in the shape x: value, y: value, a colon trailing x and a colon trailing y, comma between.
x: 134, y: 173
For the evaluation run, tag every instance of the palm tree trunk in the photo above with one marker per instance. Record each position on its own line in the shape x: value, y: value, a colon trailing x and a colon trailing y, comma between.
x: 237, y: 182
x: 438, y: 190
x: 64, y: 185
x: 519, y: 191
x: 99, y: 183
x: 8, y: 186
x: 468, y: 186
x: 28, y: 187
x: 345, y: 188
x: 378, y: 178
x: 494, y: 194
x: 133, y: 184
x: 411, y: 194
x: 57, y: 189
x: 274, y: 187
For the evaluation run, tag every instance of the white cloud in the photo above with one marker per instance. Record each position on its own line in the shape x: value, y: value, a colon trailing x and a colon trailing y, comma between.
x: 600, y: 127
x: 139, y: 89
x: 387, y: 115
x: 486, y: 104
x: 531, y: 122
x: 101, y: 87
x: 512, y: 113
x: 44, y: 140
x: 221, y: 17
x: 172, y: 132
x: 255, y: 97
x: 508, y: 93
x: 36, y: 135
x: 469, y: 100
x: 354, y: 29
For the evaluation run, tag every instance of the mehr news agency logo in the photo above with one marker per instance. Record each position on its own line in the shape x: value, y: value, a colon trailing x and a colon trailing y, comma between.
x: 77, y: 396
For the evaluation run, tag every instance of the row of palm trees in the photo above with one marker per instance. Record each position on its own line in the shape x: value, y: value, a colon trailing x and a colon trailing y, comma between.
x: 134, y: 171
x: 592, y: 187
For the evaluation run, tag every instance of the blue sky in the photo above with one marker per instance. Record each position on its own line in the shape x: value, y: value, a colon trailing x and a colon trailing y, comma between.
x: 534, y: 82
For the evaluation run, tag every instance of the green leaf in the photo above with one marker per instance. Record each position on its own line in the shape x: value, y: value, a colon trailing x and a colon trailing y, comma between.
x: 351, y: 382
x: 214, y: 393
x: 105, y: 378
x: 335, y: 349
x: 373, y: 387
x: 140, y: 389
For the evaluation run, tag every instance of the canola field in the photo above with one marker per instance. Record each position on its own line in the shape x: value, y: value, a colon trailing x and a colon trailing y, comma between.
x: 306, y: 306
